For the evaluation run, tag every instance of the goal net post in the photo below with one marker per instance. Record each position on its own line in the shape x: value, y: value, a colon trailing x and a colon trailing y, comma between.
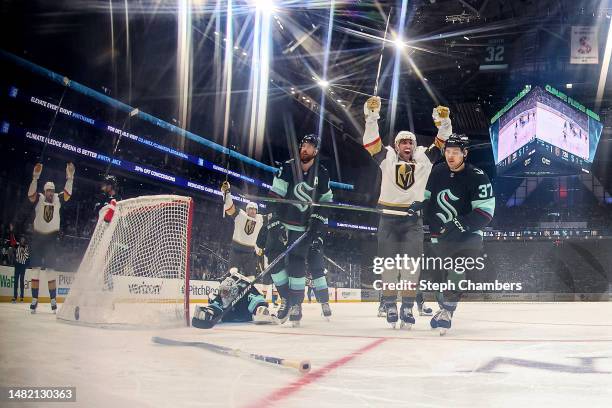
x: 135, y: 270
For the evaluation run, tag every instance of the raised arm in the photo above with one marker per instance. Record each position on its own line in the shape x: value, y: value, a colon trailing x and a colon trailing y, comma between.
x: 228, y: 202
x: 371, y: 137
x: 441, y: 118
x: 67, y: 193
x: 33, y: 190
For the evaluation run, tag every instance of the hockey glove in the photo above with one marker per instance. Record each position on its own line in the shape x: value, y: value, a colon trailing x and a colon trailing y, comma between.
x: 414, y: 208
x: 453, y: 230
x: 108, y: 217
x: 371, y: 109
x: 440, y: 116
x: 316, y: 231
x: 37, y: 171
x: 277, y: 231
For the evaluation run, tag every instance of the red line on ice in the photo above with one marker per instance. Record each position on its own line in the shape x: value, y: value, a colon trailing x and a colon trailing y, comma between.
x: 297, y: 385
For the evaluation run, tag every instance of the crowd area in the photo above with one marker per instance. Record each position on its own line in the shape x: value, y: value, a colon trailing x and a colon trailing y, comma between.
x: 348, y: 251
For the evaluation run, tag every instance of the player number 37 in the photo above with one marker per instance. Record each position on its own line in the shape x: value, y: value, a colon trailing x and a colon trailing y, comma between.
x: 486, y: 190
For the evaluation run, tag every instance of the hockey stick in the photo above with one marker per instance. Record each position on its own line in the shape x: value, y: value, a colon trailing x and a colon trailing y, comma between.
x: 381, y: 53
x: 213, y: 253
x: 302, y: 366
x: 59, y: 105
x: 132, y: 113
x: 330, y: 205
x: 331, y: 261
x: 207, y: 324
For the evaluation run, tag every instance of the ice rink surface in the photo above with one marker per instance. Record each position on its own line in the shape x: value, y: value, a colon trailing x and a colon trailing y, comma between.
x: 496, y: 355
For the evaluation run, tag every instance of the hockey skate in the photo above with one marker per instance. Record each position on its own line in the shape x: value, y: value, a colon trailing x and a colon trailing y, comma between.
x: 295, y: 315
x: 33, y: 305
x: 406, y: 316
x: 391, y: 309
x: 326, y: 311
x: 382, y: 312
x: 53, y: 306
x: 282, y: 312
x: 442, y: 320
x: 424, y: 310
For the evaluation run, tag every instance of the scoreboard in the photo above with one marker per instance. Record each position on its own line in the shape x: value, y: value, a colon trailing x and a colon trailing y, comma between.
x: 544, y: 132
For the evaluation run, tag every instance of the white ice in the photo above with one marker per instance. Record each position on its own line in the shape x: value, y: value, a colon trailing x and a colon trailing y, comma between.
x: 496, y: 355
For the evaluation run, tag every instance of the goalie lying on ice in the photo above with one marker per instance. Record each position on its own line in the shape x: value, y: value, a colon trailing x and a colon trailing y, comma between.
x: 252, y: 307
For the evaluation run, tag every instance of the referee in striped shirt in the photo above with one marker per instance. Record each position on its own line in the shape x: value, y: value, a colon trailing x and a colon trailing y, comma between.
x: 21, y: 260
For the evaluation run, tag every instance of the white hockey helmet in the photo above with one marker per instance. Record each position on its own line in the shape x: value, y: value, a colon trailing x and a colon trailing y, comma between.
x: 405, y: 135
x: 251, y: 204
x: 49, y: 186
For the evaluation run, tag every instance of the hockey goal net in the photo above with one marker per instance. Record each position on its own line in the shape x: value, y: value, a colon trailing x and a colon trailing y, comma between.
x: 136, y: 268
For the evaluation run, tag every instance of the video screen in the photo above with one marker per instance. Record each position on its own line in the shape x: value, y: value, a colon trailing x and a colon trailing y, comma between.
x: 541, y: 115
x: 563, y: 131
x: 516, y: 133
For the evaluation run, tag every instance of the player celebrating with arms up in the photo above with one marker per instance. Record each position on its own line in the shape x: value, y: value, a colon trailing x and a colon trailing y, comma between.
x: 405, y: 169
x: 247, y: 224
x: 46, y: 228
x: 459, y: 203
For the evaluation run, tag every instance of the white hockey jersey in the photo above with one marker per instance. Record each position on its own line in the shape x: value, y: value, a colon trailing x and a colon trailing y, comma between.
x: 403, y: 182
x: 47, y: 215
x: 246, y: 229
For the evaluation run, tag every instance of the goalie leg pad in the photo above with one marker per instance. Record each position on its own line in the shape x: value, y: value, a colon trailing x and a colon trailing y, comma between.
x: 262, y: 316
x: 204, y: 316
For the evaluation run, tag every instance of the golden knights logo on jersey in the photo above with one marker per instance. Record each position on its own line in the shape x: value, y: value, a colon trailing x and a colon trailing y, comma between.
x: 404, y: 175
x: 249, y: 226
x: 48, y: 213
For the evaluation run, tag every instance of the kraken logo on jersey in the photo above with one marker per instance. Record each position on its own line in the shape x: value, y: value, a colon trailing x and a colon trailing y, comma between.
x: 302, y: 192
x: 443, y: 202
x: 249, y: 226
x: 48, y: 213
x: 404, y: 175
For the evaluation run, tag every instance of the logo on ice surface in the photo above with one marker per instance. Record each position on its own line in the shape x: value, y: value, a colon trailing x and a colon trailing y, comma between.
x: 443, y: 202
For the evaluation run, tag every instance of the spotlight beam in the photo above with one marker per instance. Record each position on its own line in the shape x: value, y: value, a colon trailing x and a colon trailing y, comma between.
x: 604, y: 69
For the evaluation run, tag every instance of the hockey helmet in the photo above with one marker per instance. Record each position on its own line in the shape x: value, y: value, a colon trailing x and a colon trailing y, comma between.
x: 252, y: 204
x: 457, y: 140
x: 404, y: 135
x: 312, y: 139
x: 111, y: 181
x: 49, y: 186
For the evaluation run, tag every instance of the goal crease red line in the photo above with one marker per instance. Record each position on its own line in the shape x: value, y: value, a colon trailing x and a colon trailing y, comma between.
x: 297, y: 385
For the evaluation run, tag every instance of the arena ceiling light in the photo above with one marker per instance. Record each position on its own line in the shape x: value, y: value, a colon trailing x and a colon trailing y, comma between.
x: 323, y: 83
x: 265, y: 6
x: 399, y: 43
